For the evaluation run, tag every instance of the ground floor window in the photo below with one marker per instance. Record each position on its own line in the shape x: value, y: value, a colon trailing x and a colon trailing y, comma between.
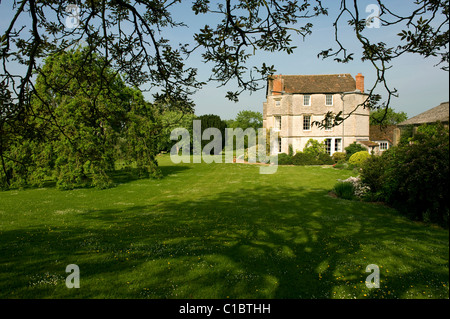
x: 337, y: 145
x: 333, y: 145
x: 279, y: 145
x: 384, y: 146
x: 328, y: 146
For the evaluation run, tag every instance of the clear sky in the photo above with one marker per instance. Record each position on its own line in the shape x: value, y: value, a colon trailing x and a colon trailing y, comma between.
x: 420, y: 84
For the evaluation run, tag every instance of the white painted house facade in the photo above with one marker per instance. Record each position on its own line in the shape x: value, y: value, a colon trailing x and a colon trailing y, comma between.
x: 294, y: 102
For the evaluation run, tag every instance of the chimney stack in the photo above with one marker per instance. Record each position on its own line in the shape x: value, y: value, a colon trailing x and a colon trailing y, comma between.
x: 277, y: 87
x: 360, y: 82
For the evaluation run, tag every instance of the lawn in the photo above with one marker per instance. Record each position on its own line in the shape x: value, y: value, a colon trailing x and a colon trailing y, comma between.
x: 215, y: 231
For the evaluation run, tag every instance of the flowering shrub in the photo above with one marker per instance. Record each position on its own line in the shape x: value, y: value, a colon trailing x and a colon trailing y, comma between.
x: 359, y: 188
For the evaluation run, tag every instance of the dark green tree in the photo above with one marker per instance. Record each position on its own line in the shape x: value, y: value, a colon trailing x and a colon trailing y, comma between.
x: 387, y: 117
x: 171, y: 120
x: 212, y: 121
x: 80, y: 113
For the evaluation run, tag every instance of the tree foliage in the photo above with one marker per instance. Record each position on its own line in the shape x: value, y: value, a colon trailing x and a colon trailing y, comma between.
x: 248, y: 119
x: 171, y: 120
x: 413, y: 177
x: 387, y: 117
x: 212, y: 121
x: 314, y: 147
x: 74, y: 123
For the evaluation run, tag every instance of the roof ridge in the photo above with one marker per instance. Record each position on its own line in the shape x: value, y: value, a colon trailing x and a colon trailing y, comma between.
x: 315, y: 74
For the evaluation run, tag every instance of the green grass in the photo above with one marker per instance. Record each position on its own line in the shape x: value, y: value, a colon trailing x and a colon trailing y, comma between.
x: 215, y: 231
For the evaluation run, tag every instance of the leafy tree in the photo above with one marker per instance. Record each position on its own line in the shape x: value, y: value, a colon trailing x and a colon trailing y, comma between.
x: 229, y: 123
x: 387, y: 117
x: 314, y: 147
x: 318, y: 152
x: 171, y: 120
x: 212, y: 121
x: 81, y: 113
x: 248, y: 119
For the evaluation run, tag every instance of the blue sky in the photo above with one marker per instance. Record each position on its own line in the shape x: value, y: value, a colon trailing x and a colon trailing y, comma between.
x: 420, y: 84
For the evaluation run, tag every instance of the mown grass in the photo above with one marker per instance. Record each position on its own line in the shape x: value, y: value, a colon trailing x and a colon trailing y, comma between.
x: 215, y: 231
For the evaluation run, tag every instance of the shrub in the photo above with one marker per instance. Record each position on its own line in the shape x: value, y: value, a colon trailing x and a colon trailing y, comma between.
x: 304, y: 159
x: 354, y: 148
x: 344, y: 190
x: 417, y: 177
x: 359, y: 188
x: 291, y: 150
x: 325, y: 159
x: 373, y: 173
x: 284, y: 159
x: 359, y: 158
x: 314, y: 153
x: 338, y: 157
x: 414, y: 177
x: 314, y: 147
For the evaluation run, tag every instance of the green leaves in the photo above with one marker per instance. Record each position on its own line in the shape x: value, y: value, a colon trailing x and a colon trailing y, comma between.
x: 84, y: 109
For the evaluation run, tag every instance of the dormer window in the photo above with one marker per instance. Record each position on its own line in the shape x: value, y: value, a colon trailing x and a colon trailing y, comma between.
x: 307, y: 100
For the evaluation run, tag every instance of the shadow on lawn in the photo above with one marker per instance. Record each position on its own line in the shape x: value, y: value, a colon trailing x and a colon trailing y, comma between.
x: 122, y: 176
x: 249, y: 243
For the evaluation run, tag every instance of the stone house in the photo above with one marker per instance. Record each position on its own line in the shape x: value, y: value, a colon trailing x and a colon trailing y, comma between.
x: 294, y: 102
x: 383, y: 138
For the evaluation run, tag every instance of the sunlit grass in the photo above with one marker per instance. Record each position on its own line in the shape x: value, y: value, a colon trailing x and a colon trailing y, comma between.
x: 215, y: 231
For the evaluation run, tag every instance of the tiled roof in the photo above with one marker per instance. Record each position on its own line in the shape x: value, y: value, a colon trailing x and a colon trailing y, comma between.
x: 310, y: 84
x: 438, y: 113
x: 382, y: 133
x: 369, y: 143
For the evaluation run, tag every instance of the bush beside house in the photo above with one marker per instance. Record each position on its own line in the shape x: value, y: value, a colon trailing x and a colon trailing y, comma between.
x: 358, y: 158
x: 413, y: 177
